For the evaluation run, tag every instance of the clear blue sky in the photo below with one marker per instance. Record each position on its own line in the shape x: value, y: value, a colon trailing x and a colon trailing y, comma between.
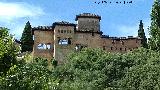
x: 117, y: 19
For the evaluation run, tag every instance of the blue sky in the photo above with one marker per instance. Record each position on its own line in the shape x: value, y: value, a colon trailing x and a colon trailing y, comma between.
x: 117, y: 19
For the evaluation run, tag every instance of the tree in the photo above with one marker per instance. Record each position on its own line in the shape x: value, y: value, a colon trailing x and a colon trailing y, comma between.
x: 27, y: 38
x: 91, y: 69
x: 154, y: 42
x: 8, y: 51
x: 144, y: 74
x: 29, y: 76
x: 141, y: 34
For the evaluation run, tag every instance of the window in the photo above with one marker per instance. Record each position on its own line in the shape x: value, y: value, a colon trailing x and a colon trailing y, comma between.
x: 41, y: 46
x: 61, y: 31
x: 69, y: 40
x: 111, y: 48
x: 64, y: 41
x: 48, y: 46
x: 120, y: 49
x: 64, y: 31
x: 44, y: 46
x: 104, y: 48
x: 58, y: 31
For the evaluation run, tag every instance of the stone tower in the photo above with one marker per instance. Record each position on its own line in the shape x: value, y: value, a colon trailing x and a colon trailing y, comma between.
x: 63, y: 39
x: 88, y: 22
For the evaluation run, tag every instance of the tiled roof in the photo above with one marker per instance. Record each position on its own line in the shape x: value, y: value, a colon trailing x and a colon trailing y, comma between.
x: 64, y: 23
x: 42, y: 28
x: 88, y: 15
x: 129, y: 37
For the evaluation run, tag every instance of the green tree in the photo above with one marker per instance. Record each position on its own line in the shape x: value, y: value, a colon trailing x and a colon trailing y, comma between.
x: 144, y: 74
x: 27, y: 38
x: 90, y: 69
x: 29, y: 76
x: 141, y: 34
x: 154, y: 42
x: 8, y: 51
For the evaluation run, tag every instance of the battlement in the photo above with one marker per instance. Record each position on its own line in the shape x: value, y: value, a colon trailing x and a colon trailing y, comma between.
x: 43, y: 28
x: 119, y: 38
x: 63, y: 23
x: 87, y: 15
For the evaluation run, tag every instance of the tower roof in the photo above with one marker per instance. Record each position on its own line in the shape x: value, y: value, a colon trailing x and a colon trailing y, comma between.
x: 63, y: 23
x: 87, y: 15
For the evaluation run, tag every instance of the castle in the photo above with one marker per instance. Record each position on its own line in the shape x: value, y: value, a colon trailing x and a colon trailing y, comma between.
x: 61, y: 38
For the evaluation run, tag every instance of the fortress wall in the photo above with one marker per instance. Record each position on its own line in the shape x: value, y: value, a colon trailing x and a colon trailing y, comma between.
x: 62, y: 50
x: 43, y: 37
x: 88, y: 39
x: 88, y: 24
x: 120, y: 45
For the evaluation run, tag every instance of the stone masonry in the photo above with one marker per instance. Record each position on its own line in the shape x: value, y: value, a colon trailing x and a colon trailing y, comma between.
x: 61, y: 38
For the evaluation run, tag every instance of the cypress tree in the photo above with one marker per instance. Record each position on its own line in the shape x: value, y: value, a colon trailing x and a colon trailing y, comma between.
x: 27, y: 38
x: 141, y: 34
x: 154, y: 42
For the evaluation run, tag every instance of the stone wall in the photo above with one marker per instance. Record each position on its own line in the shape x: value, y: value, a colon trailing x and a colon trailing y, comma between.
x: 88, y: 24
x: 43, y: 38
x: 91, y: 40
x: 120, y: 45
x: 61, y: 49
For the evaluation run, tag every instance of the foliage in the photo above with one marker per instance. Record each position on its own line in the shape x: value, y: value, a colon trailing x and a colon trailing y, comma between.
x: 54, y: 62
x: 29, y: 76
x: 91, y: 69
x: 88, y: 69
x: 154, y: 41
x: 27, y: 38
x: 28, y: 57
x: 145, y: 73
x: 141, y: 34
x: 94, y: 69
x: 8, y: 51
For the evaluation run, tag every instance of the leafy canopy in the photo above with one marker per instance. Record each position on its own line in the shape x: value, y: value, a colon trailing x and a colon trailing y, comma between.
x: 8, y: 51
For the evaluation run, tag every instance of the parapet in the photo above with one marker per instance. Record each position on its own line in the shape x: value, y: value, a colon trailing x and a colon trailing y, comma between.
x: 119, y: 38
x: 43, y: 28
x: 88, y: 15
x: 63, y: 23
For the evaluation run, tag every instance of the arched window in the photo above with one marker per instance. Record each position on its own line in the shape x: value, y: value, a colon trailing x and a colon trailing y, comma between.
x: 41, y: 46
x: 64, y: 41
x: 44, y: 46
x: 111, y: 48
